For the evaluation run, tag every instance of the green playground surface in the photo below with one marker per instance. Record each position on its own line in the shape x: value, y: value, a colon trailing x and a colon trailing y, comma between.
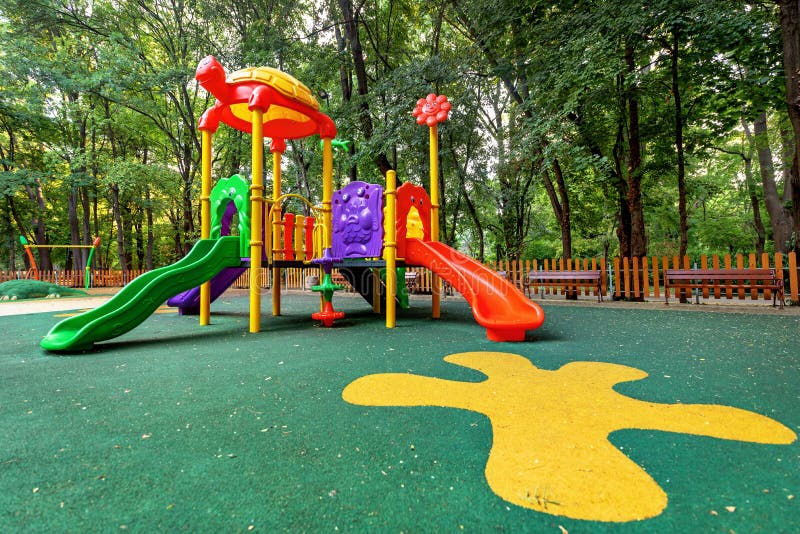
x: 174, y: 426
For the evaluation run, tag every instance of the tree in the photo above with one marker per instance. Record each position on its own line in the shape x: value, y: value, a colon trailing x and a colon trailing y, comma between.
x: 790, y: 32
x: 351, y: 23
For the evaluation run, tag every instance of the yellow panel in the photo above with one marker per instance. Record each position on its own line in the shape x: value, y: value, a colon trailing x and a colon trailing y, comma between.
x: 240, y: 111
x: 273, y: 113
x: 414, y: 227
x: 278, y: 112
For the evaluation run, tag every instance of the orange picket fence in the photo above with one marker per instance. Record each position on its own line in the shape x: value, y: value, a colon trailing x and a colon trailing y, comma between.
x: 98, y: 277
x: 622, y: 278
x: 642, y: 278
x: 517, y: 271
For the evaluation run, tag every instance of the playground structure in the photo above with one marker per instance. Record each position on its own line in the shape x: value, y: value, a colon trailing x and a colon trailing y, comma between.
x: 365, y: 230
x: 34, y: 270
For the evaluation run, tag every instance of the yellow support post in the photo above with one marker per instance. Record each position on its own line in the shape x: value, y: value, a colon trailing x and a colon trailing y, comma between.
x: 390, y: 249
x: 256, y: 203
x: 434, y: 156
x: 327, y: 192
x: 277, y: 148
x: 205, y: 217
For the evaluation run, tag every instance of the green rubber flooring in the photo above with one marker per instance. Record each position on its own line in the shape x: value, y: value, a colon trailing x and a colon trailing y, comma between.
x: 177, y: 427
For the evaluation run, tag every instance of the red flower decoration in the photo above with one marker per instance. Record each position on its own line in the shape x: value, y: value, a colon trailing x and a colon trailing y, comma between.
x: 432, y: 110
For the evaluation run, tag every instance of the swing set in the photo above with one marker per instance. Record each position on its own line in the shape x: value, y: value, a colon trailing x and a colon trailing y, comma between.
x: 33, y: 272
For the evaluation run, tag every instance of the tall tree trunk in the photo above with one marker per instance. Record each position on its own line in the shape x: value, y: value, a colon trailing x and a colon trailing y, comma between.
x: 461, y: 171
x: 115, y: 195
x: 7, y: 229
x: 77, y: 178
x: 346, y: 85
x: 780, y: 217
x: 39, y: 226
x: 450, y: 233
x: 790, y: 32
x: 74, y: 229
x: 564, y: 213
x: 560, y: 202
x: 235, y: 153
x: 302, y: 165
x: 679, y: 148
x: 89, y: 205
x: 758, y: 225
x: 638, y: 242
x: 140, y: 246
x: 148, y: 208
x: 98, y: 257
x: 116, y: 209
x: 787, y: 150
x: 351, y: 18
x: 621, y: 187
x: 188, y: 199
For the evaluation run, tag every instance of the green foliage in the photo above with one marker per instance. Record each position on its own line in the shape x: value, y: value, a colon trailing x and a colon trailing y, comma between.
x: 98, y: 114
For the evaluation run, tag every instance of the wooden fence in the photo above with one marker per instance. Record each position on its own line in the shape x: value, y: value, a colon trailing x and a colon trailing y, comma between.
x: 517, y: 271
x: 295, y: 278
x: 99, y: 277
x: 642, y: 278
x: 624, y: 278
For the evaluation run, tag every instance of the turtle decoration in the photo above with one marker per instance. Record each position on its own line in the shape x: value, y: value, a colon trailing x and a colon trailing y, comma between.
x: 33, y: 289
x: 290, y: 109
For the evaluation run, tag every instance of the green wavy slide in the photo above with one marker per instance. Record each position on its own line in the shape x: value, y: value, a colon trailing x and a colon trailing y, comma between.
x: 142, y: 296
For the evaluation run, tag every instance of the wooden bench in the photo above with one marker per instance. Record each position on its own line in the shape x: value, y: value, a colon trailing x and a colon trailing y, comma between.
x: 567, y: 279
x: 724, y: 279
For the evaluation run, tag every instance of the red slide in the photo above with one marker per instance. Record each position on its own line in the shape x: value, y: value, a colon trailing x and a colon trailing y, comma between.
x: 497, y: 305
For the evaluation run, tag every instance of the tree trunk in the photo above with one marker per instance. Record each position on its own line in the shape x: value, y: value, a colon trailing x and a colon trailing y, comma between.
x: 450, y: 232
x: 790, y: 32
x: 560, y: 202
x: 346, y: 85
x: 302, y: 165
x: 235, y: 166
x: 140, y: 246
x: 188, y: 201
x: 638, y: 243
x: 351, y: 17
x: 83, y: 253
x: 39, y: 226
x: 621, y: 187
x: 617, y: 178
x: 150, y: 238
x: 679, y: 149
x: 98, y: 257
x: 115, y: 207
x: 11, y: 242
x: 461, y: 171
x: 780, y: 217
x: 564, y: 214
x: 754, y: 203
x: 787, y: 149
x: 74, y: 229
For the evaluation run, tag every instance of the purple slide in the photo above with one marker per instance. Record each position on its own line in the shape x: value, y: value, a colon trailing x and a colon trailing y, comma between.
x: 188, y: 302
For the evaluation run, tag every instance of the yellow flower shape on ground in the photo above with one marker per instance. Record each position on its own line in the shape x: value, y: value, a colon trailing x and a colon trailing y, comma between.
x: 550, y: 449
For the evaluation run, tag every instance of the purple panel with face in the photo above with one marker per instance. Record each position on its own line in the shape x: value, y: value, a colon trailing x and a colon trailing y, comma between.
x: 358, y: 221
